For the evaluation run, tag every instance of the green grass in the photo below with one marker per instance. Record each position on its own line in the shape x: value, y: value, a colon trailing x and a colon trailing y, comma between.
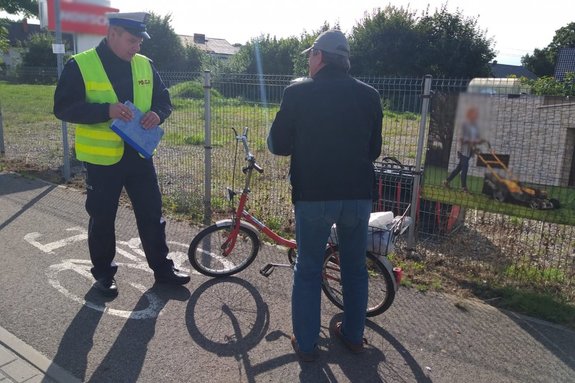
x: 435, y: 191
x: 537, y: 304
x: 536, y: 275
x: 35, y: 100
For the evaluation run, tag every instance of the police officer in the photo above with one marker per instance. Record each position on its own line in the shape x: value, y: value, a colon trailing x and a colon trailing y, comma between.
x: 91, y: 93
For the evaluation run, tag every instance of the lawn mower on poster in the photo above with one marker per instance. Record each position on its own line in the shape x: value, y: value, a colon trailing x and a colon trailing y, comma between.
x: 506, y: 188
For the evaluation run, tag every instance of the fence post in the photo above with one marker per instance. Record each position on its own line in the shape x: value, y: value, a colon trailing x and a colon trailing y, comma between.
x: 420, y: 144
x: 2, y: 149
x: 207, y: 148
x: 60, y: 64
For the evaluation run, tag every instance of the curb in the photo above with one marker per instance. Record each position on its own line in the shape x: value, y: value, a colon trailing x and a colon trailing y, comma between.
x: 35, y: 358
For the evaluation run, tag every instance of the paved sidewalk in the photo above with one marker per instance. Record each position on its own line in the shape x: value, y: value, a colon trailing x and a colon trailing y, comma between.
x: 21, y: 363
x: 55, y: 328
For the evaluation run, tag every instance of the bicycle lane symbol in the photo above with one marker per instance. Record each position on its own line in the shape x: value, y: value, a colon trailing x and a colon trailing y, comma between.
x: 82, y: 267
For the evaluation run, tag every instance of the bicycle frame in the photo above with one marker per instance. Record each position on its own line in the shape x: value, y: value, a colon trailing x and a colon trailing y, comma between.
x: 241, y: 214
x: 241, y: 236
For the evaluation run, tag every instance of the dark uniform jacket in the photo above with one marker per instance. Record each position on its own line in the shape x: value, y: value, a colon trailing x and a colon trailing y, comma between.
x: 331, y: 126
x: 70, y: 96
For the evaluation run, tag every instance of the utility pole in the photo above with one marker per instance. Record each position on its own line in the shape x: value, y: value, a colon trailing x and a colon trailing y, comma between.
x: 59, y: 49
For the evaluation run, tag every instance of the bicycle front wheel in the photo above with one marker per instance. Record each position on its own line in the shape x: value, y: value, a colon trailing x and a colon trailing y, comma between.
x: 381, y: 289
x: 207, y: 252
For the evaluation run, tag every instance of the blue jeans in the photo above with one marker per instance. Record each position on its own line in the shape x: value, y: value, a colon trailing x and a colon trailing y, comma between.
x: 462, y: 167
x: 314, y: 220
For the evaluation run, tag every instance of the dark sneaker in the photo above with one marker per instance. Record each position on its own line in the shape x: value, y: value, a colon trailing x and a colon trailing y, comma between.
x: 107, y: 287
x: 172, y: 277
x: 355, y: 348
x: 304, y: 356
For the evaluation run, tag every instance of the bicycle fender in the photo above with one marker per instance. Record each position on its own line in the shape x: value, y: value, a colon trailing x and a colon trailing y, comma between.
x: 245, y: 225
x: 389, y: 267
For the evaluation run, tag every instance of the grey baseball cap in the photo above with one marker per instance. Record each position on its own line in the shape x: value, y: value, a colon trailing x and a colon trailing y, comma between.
x: 332, y: 41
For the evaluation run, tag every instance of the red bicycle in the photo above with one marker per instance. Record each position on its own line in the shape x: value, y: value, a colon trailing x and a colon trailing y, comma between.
x: 230, y: 245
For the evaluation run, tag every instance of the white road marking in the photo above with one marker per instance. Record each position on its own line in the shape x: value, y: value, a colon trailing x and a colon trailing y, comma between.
x: 49, y: 248
x: 138, y: 261
x: 82, y: 267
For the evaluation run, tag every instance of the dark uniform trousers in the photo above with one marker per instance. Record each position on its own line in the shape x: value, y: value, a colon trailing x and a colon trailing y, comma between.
x: 104, y: 185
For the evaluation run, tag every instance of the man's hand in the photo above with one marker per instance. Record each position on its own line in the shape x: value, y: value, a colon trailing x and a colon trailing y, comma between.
x: 150, y: 120
x: 120, y: 111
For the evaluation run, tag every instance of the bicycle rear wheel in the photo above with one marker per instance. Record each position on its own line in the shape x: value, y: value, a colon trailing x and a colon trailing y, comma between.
x: 381, y: 289
x: 206, y: 252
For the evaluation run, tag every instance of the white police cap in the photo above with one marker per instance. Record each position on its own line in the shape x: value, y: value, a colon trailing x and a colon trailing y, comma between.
x: 133, y: 22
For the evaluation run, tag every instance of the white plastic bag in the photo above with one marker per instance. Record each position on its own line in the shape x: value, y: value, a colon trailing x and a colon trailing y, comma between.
x: 378, y: 233
x: 381, y: 219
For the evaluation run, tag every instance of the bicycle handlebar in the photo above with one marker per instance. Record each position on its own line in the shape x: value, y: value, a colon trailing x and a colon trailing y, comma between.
x: 249, y: 156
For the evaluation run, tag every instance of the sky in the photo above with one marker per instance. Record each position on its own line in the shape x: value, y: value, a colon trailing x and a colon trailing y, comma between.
x: 516, y: 26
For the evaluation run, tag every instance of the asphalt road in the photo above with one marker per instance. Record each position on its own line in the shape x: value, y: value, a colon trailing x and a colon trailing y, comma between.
x: 234, y: 329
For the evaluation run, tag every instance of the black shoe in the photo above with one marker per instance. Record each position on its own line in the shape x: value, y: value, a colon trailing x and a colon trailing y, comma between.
x: 172, y: 277
x: 107, y: 287
x: 304, y: 356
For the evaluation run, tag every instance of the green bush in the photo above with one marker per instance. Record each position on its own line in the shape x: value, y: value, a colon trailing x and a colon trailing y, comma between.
x: 191, y: 89
x: 549, y: 86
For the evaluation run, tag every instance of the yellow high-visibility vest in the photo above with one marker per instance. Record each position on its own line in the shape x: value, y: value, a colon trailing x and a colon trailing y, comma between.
x: 97, y: 143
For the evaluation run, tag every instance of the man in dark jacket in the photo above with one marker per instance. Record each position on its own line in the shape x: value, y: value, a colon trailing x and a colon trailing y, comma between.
x: 330, y: 124
x: 91, y: 93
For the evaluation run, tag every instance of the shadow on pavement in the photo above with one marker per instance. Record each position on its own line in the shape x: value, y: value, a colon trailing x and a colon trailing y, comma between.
x: 373, y: 365
x: 558, y: 340
x: 126, y: 356
x: 9, y: 186
x: 227, y: 316
x: 78, y: 339
x: 14, y: 183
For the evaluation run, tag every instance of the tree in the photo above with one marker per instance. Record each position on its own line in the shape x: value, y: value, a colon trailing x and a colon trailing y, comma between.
x: 39, y: 51
x: 37, y: 59
x: 266, y: 55
x: 195, y: 58
x: 4, y: 43
x: 270, y: 55
x: 564, y: 38
x: 165, y: 47
x: 453, y: 45
x: 542, y: 61
x: 385, y: 43
x: 166, y: 50
x: 14, y: 7
x: 396, y: 42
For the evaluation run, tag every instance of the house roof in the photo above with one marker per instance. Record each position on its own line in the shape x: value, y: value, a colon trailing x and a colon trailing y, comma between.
x: 565, y: 62
x: 210, y: 44
x: 20, y: 31
x: 504, y: 71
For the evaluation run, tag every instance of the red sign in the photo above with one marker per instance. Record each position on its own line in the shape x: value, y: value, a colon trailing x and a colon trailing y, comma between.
x: 80, y: 17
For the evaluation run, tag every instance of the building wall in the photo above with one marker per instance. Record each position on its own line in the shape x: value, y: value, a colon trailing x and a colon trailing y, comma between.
x: 13, y: 57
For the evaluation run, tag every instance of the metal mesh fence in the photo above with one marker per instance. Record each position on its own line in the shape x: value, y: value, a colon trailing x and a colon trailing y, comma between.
x: 504, y: 227
x: 499, y: 162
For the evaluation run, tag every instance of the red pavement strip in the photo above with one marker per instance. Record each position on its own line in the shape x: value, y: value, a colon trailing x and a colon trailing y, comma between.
x: 20, y: 362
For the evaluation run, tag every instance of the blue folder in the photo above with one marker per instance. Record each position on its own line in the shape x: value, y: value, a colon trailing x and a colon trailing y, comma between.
x: 143, y: 140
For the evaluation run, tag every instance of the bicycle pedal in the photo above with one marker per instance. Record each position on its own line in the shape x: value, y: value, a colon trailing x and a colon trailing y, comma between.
x: 267, y: 270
